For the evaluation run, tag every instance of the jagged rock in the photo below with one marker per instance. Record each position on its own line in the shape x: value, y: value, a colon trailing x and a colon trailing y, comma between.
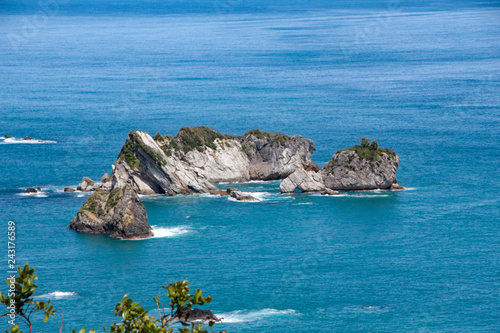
x: 361, y: 168
x: 8, y: 136
x: 87, y: 185
x: 105, y: 178
x: 275, y: 156
x: 119, y: 213
x: 396, y: 187
x: 230, y: 189
x: 305, y: 181
x: 197, y: 315
x: 31, y: 190
x: 69, y: 189
x: 240, y: 196
x: 197, y: 157
x: 28, y: 138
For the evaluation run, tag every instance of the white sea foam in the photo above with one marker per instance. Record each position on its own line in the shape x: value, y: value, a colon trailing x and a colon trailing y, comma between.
x: 59, y: 295
x: 368, y: 308
x: 163, y: 232
x: 241, y: 316
x: 36, y: 195
x: 261, y: 196
x: 5, y: 141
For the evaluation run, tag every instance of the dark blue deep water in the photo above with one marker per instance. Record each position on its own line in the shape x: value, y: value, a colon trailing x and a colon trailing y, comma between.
x: 423, y: 80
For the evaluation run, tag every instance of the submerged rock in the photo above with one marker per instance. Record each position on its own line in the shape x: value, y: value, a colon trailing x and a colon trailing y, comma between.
x: 327, y: 191
x: 69, y: 189
x: 8, y: 136
x: 28, y: 138
x: 241, y: 196
x: 31, y: 190
x: 119, y: 213
x: 396, y: 187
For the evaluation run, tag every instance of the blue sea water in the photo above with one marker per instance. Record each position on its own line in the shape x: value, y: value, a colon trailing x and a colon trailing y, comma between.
x: 423, y: 80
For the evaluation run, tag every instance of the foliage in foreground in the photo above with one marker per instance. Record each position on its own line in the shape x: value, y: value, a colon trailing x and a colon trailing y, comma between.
x: 135, y: 319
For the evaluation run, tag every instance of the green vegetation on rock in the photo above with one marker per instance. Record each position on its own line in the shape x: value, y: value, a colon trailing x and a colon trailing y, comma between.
x: 93, y: 201
x: 368, y: 151
x: 281, y: 139
x: 114, y: 197
x: 198, y: 138
x: 158, y: 137
x: 132, y: 143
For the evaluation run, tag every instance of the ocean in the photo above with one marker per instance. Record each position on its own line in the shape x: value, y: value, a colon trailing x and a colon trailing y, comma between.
x: 421, y: 79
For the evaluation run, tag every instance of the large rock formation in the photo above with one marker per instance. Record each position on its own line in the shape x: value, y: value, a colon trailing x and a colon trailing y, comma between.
x: 361, y: 168
x: 119, y: 213
x: 365, y: 167
x: 196, y: 158
x: 191, y: 162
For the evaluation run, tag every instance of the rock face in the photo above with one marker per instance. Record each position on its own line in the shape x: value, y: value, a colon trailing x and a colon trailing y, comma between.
x: 275, y: 156
x: 361, y: 168
x: 305, y: 179
x: 197, y: 157
x: 119, y: 213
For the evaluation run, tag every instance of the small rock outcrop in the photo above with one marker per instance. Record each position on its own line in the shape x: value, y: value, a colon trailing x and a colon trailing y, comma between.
x: 397, y: 187
x: 196, y: 314
x: 119, y: 213
x: 69, y: 189
x: 241, y: 196
x: 8, y: 136
x: 28, y: 138
x: 365, y: 167
x: 31, y: 190
x: 87, y: 185
x: 105, y: 178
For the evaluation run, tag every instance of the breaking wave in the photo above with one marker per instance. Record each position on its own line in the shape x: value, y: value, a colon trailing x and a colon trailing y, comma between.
x: 59, y: 295
x: 5, y: 141
x: 163, y: 232
x: 241, y: 316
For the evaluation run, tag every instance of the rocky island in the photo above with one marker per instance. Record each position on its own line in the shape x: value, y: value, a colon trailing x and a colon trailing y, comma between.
x: 197, y: 158
x: 365, y: 167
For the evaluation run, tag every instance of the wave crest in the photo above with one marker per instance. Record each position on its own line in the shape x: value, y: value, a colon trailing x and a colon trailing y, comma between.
x: 5, y: 141
x: 240, y: 316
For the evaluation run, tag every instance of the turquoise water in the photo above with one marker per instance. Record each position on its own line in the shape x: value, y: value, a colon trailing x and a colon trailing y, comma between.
x: 423, y: 81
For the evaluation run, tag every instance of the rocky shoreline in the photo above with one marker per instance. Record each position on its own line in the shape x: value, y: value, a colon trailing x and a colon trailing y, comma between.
x: 197, y: 158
